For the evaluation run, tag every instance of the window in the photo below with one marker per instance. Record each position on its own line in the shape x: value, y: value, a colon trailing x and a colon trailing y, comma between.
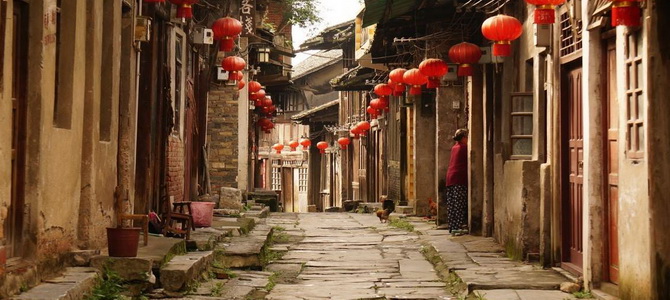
x: 178, y: 74
x: 109, y: 49
x: 59, y: 24
x: 635, y: 137
x: 276, y: 175
x: 521, y: 122
x: 302, y: 179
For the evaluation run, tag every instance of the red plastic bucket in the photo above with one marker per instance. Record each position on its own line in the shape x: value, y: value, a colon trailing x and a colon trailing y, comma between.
x: 123, y: 242
x: 202, y: 213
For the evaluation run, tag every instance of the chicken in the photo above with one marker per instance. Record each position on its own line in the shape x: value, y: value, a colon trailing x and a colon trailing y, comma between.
x: 383, y: 215
x: 433, y: 207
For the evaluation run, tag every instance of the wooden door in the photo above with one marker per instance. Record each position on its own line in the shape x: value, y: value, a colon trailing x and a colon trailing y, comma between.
x: 19, y: 65
x: 573, y: 170
x: 611, y: 169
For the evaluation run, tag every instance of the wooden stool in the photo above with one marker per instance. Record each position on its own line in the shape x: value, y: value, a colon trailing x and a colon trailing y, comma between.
x: 180, y: 207
x: 143, y: 219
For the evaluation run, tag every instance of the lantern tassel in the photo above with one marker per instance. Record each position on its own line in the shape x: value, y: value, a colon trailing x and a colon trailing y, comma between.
x: 465, y: 70
x: 226, y: 45
x: 502, y: 49
x: 433, y: 82
x: 415, y: 90
x: 626, y: 13
x: 185, y: 12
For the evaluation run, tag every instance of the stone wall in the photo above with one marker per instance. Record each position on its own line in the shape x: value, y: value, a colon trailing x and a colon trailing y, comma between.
x: 394, y: 182
x: 222, y: 136
x: 175, y: 164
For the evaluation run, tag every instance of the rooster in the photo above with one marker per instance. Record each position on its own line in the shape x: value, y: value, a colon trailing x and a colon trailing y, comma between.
x: 383, y: 215
x: 388, y: 206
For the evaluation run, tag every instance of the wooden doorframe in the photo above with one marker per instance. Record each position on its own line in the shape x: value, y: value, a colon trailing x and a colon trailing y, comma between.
x: 566, y: 226
x: 15, y: 221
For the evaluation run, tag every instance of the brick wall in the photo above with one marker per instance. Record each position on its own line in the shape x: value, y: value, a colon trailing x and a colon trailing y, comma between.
x: 175, y: 163
x: 222, y: 137
x: 394, y: 181
x: 275, y: 15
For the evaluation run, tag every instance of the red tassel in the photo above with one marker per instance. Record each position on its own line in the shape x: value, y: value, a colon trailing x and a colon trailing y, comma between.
x: 502, y: 49
x: 626, y: 13
x: 415, y: 90
x: 185, y: 11
x: 465, y: 70
x: 226, y: 45
x: 433, y: 83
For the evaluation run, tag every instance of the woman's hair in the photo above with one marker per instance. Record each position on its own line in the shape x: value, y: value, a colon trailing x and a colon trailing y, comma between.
x: 461, y: 133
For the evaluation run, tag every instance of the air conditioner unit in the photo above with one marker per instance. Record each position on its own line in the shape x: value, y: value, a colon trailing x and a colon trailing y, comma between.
x: 542, y: 35
x: 203, y: 35
x: 221, y: 74
x: 451, y: 73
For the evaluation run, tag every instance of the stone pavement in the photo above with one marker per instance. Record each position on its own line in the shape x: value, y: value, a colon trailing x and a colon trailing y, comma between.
x: 352, y: 256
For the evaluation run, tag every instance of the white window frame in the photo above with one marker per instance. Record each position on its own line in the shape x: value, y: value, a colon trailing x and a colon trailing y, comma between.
x: 178, y: 98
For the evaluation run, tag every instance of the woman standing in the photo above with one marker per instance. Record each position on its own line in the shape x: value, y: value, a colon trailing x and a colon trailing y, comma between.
x: 457, y: 184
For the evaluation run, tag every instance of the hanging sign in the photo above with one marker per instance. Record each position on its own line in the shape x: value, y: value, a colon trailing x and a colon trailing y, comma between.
x: 247, y: 17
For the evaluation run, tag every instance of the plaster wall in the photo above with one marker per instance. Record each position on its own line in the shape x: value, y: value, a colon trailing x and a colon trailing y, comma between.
x: 5, y: 123
x: 424, y: 156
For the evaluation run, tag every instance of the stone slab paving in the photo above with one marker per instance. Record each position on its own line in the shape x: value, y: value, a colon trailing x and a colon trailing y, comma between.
x: 72, y: 285
x: 350, y: 256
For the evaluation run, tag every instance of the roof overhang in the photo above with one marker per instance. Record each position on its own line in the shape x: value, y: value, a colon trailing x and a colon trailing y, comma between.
x: 325, y: 113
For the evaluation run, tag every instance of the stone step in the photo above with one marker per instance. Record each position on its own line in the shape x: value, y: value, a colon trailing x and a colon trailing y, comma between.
x: 74, y: 284
x: 257, y: 213
x: 404, y: 210
x: 244, y: 251
x: 181, y: 270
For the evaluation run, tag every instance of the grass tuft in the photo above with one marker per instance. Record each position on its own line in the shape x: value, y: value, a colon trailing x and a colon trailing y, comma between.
x: 402, y: 224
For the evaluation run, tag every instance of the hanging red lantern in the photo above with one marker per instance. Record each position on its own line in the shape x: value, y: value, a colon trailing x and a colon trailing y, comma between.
x: 373, y: 112
x: 278, y: 147
x: 383, y: 90
x: 502, y: 29
x: 240, y: 84
x: 415, y: 80
x: 384, y: 103
x: 322, y: 146
x: 226, y: 30
x: 434, y: 69
x: 626, y: 13
x: 294, y: 145
x: 263, y: 122
x: 376, y: 104
x: 363, y: 126
x: 184, y: 10
x: 259, y: 95
x: 356, y: 132
x: 465, y: 54
x: 268, y: 109
x: 254, y: 87
x: 399, y: 84
x: 344, y: 142
x: 233, y: 64
x: 305, y: 143
x: 544, y: 10
x: 266, y: 102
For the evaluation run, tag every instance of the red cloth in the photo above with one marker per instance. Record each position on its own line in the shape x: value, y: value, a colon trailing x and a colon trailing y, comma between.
x: 457, y: 174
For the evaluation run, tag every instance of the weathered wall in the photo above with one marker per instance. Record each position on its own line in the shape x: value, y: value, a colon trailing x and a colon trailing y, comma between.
x: 5, y: 126
x: 222, y: 136
x: 175, y: 166
x: 634, y: 227
x: 424, y: 154
x: 659, y: 144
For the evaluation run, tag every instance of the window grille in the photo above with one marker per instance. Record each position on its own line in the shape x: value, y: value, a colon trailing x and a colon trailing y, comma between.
x: 635, y: 137
x: 571, y: 37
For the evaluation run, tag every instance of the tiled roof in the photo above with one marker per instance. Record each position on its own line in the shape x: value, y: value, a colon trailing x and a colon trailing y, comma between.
x: 316, y: 62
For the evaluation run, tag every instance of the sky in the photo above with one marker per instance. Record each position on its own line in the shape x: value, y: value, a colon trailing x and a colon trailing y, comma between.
x: 331, y: 12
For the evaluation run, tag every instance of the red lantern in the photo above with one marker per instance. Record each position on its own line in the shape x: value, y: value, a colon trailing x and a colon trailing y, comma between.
x: 237, y: 76
x: 266, y: 102
x: 184, y: 10
x: 268, y: 109
x: 254, y: 87
x: 240, y: 84
x: 434, y: 69
x: 373, y: 112
x: 363, y: 126
x: 397, y: 77
x: 278, y: 147
x: 626, y: 13
x: 544, y: 10
x: 376, y: 104
x: 356, y: 132
x: 384, y: 103
x: 233, y: 64
x: 465, y: 54
x: 263, y: 122
x: 415, y: 79
x: 226, y: 31
x: 383, y: 90
x: 305, y: 143
x: 344, y: 142
x: 260, y: 95
x: 502, y: 29
x: 322, y: 146
x: 293, y: 145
